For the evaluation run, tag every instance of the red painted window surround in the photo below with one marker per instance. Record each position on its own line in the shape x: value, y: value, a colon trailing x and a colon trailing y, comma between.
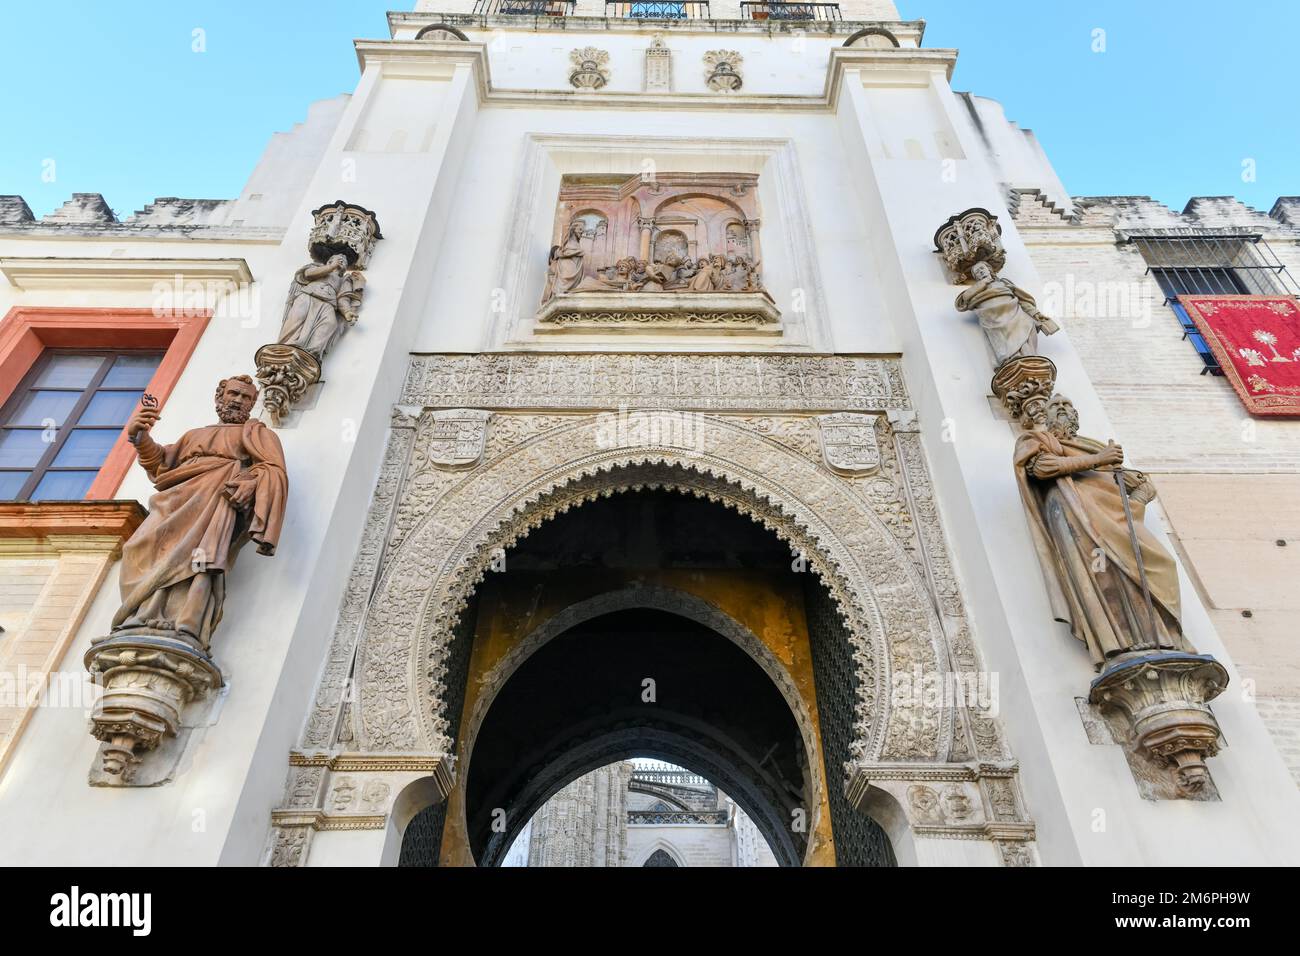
x: 26, y: 331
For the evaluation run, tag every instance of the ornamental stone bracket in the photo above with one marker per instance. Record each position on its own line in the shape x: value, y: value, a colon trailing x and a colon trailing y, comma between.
x: 1163, y: 699
x: 632, y: 312
x: 324, y: 301
x: 972, y: 801
x: 349, y: 791
x: 148, y: 682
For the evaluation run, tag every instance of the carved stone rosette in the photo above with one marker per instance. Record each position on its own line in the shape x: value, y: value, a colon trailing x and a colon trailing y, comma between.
x: 1163, y: 697
x: 970, y: 237
x: 284, y: 372
x: 148, y: 680
x: 343, y: 228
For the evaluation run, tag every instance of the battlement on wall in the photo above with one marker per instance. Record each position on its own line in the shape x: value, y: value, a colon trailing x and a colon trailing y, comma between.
x: 1031, y: 209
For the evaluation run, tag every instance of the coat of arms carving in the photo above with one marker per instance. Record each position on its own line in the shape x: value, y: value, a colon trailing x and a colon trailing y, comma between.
x: 457, y: 437
x: 849, y: 444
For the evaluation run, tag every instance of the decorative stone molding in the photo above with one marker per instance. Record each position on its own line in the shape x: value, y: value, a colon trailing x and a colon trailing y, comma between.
x: 682, y: 381
x: 1163, y: 698
x: 1024, y: 383
x: 722, y: 70
x: 955, y: 801
x: 42, y: 272
x: 640, y: 312
x: 590, y: 68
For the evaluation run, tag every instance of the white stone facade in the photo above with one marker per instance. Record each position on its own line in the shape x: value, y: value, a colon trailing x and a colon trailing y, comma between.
x: 459, y: 147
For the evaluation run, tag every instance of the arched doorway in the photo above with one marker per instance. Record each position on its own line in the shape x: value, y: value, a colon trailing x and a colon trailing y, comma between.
x: 654, y: 623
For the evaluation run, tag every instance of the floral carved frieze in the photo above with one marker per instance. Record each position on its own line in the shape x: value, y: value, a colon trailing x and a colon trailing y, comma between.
x: 682, y: 381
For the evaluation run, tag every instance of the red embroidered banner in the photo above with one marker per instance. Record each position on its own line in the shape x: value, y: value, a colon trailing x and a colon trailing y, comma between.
x: 1256, y: 339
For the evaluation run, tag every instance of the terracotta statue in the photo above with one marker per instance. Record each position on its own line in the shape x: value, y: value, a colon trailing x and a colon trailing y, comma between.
x: 1007, y: 313
x: 564, y: 272
x: 1077, y: 516
x: 324, y: 300
x: 218, y: 487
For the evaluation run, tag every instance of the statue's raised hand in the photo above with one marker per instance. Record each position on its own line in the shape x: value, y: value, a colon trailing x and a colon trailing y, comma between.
x: 145, y: 417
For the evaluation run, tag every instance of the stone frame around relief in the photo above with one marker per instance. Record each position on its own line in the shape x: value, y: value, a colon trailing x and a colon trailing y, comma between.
x: 787, y: 229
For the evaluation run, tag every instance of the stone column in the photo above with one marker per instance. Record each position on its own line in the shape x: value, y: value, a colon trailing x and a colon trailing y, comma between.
x: 647, y: 227
x: 751, y: 228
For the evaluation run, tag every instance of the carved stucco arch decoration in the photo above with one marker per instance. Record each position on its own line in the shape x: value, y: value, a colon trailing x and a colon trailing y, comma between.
x: 435, y: 28
x: 872, y: 32
x: 673, y: 601
x: 409, y: 625
x: 731, y: 204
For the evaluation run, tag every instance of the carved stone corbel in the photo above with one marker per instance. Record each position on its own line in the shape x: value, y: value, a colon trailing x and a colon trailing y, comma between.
x: 147, y: 681
x: 1163, y: 698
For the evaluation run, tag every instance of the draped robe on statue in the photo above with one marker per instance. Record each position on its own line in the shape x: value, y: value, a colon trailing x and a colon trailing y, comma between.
x: 318, y: 308
x: 1000, y: 306
x: 1098, y: 593
x: 173, y: 568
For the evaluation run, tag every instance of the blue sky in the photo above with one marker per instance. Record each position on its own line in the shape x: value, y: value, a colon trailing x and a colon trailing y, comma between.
x: 115, y: 96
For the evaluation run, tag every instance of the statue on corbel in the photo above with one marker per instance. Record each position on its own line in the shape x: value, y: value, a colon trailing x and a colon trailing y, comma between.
x: 324, y: 301
x: 218, y: 487
x: 1108, y: 577
x: 971, y: 245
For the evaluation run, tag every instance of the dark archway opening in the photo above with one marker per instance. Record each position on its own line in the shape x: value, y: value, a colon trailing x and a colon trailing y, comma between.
x: 577, y: 703
x: 580, y: 702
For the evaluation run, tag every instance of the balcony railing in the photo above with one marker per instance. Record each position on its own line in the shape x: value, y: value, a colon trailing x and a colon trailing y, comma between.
x: 656, y: 10
x: 669, y: 778
x: 676, y: 817
x: 527, y: 8
x: 790, y: 11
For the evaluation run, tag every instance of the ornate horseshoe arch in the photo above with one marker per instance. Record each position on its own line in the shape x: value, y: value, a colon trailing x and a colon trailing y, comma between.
x: 889, y: 618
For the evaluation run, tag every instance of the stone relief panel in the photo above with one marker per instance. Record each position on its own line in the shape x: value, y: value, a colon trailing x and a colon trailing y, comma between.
x: 680, y: 250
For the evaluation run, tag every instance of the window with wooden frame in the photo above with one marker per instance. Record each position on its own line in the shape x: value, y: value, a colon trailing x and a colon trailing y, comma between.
x: 62, y: 421
x: 69, y: 380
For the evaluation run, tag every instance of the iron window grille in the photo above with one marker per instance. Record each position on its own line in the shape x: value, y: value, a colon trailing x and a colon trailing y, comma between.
x: 64, y: 418
x: 528, y: 8
x: 656, y: 10
x: 1210, y: 262
x: 790, y: 11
